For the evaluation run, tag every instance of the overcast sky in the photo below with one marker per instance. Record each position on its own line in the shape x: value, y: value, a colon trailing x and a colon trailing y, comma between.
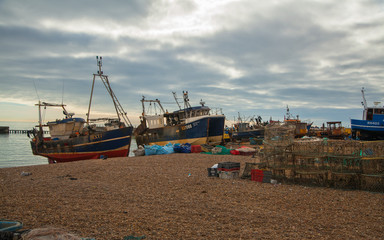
x: 246, y: 56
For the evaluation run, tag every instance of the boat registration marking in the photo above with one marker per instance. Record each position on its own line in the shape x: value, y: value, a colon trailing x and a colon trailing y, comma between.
x: 189, y: 126
x: 96, y: 136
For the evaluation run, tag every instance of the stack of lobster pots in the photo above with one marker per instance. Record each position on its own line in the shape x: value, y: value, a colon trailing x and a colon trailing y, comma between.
x: 228, y: 170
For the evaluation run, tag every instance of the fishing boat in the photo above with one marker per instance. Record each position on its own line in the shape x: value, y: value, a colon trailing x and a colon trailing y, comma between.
x: 193, y: 125
x: 371, y: 127
x: 244, y: 130
x: 301, y: 127
x: 73, y: 139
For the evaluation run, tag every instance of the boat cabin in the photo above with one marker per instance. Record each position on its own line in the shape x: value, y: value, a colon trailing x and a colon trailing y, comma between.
x: 65, y: 128
x: 183, y: 115
x: 154, y: 121
x: 163, y: 118
x: 373, y: 114
x: 175, y: 118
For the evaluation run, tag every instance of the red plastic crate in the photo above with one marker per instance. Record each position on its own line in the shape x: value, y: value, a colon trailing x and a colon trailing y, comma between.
x: 196, y: 149
x: 257, y: 175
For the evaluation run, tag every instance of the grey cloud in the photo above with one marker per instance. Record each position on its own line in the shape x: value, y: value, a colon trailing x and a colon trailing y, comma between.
x: 291, y: 37
x: 98, y: 11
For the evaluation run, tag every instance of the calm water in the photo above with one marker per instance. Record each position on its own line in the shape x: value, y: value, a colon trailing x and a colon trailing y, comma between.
x: 15, y: 149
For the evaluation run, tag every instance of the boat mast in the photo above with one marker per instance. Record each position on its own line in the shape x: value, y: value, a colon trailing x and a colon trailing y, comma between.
x: 40, y: 120
x: 186, y: 100
x: 364, y: 102
x: 90, y: 99
x: 174, y: 96
x: 187, y: 105
x: 143, y: 105
x: 104, y: 78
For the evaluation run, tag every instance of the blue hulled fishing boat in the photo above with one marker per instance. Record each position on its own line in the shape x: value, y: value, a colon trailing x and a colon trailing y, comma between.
x: 244, y: 130
x: 371, y: 127
x: 73, y: 139
x: 194, y: 125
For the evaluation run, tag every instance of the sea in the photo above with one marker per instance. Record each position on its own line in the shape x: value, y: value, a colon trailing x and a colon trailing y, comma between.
x: 15, y: 148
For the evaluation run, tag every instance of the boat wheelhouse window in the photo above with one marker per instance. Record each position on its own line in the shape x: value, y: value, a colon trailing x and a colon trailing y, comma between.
x: 379, y: 111
x: 155, y: 121
x: 175, y: 120
x: 370, y: 114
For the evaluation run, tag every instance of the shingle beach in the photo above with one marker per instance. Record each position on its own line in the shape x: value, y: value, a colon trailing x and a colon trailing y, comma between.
x: 172, y: 197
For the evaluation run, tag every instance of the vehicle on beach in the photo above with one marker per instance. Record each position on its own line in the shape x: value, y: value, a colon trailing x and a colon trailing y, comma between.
x: 194, y: 125
x: 73, y: 139
x: 371, y: 127
x: 334, y: 130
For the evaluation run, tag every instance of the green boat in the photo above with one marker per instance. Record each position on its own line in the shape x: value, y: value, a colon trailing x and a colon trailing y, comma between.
x: 10, y: 226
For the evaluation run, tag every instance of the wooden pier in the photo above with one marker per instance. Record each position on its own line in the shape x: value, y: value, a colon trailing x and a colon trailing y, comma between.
x: 23, y: 131
x: 6, y: 130
x: 18, y: 131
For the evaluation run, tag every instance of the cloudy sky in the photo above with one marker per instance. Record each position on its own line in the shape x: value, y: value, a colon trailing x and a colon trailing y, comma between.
x: 243, y: 56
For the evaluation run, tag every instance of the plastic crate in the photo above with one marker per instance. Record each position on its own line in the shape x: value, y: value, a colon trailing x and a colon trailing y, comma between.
x: 229, y: 165
x: 229, y: 175
x: 229, y: 170
x: 196, y: 149
x: 257, y: 175
x: 267, y: 176
x: 212, y: 172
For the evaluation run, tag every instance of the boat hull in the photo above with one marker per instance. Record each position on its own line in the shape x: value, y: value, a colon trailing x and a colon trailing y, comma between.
x: 10, y: 226
x: 201, y: 131
x: 367, y: 130
x: 215, y: 130
x: 248, y: 134
x: 113, y: 143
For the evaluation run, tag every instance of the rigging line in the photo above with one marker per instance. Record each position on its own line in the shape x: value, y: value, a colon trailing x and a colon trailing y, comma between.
x: 34, y: 84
